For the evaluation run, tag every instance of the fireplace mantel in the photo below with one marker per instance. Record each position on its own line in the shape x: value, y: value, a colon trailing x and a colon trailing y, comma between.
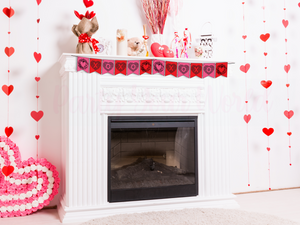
x: 87, y: 101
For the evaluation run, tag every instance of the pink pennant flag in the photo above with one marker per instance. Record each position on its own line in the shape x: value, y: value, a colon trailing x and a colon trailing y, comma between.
x: 184, y: 69
x: 159, y: 67
x: 108, y: 66
x: 83, y: 64
x: 209, y: 70
x: 133, y: 67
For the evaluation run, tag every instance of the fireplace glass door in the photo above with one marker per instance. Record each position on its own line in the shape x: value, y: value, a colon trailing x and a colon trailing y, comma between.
x: 152, y: 158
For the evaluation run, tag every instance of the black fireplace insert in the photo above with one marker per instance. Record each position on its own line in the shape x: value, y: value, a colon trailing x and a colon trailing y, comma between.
x: 152, y: 157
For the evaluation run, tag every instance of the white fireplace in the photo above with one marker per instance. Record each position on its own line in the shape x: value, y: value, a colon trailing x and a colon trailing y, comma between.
x: 88, y: 99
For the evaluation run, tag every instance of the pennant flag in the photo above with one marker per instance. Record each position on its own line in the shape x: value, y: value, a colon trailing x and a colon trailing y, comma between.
x: 95, y: 65
x: 209, y: 70
x: 133, y: 67
x: 184, y: 69
x: 120, y: 67
x: 159, y: 67
x: 108, y: 67
x: 83, y: 64
x: 171, y: 68
x: 146, y: 66
x: 221, y: 69
x: 196, y: 70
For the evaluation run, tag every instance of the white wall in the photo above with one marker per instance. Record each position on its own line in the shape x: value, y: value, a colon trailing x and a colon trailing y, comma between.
x: 57, y: 18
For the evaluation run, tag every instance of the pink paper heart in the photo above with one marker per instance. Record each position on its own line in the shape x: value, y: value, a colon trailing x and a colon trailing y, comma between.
x: 287, y: 68
x: 289, y: 114
x: 31, y: 185
x: 285, y: 23
x: 247, y: 118
x: 245, y: 68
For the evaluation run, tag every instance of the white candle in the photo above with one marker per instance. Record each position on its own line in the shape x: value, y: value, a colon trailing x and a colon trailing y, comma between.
x: 122, y: 42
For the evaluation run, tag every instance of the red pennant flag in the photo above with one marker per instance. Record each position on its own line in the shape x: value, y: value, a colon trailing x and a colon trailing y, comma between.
x: 95, y: 65
x: 120, y: 67
x: 196, y: 70
x: 146, y: 66
x: 221, y: 69
x: 171, y: 68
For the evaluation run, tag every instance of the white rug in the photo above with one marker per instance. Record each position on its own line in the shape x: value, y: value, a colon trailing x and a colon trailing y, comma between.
x: 193, y: 217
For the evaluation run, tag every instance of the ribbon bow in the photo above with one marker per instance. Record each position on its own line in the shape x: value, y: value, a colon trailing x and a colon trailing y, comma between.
x: 84, y: 38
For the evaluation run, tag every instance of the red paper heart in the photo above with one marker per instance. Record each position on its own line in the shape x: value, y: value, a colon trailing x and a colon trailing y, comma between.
x: 287, y: 68
x: 38, y: 2
x: 37, y: 79
x: 267, y: 131
x: 37, y: 96
x: 157, y: 50
x: 88, y: 3
x: 247, y: 118
x: 299, y: 4
x: 287, y: 85
x: 7, y: 170
x: 266, y: 84
x: 9, y: 51
x: 264, y: 37
x: 37, y: 56
x: 289, y: 114
x: 37, y: 137
x: 244, y: 36
x: 268, y: 148
x: 9, y: 12
x: 285, y: 23
x: 37, y: 115
x: 7, y: 89
x: 289, y: 133
x: 245, y: 68
x: 38, y: 20
x: 265, y: 53
x: 168, y: 53
x: 8, y: 131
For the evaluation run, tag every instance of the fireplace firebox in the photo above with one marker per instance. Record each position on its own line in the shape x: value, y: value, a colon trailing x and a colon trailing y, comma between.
x: 152, y: 157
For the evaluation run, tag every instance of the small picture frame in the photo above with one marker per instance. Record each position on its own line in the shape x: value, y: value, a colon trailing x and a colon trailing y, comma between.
x: 105, y: 46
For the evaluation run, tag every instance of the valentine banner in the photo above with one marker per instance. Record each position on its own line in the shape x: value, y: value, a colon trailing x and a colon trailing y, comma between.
x: 209, y: 70
x: 159, y: 67
x: 83, y: 64
x: 120, y: 67
x: 146, y: 67
x: 108, y: 67
x: 133, y: 67
x: 171, y: 68
x: 95, y: 65
x: 184, y: 69
x: 196, y: 70
x: 221, y: 69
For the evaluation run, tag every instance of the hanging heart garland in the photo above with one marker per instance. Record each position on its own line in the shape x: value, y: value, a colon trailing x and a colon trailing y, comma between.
x: 247, y: 118
x: 245, y: 68
x: 289, y: 114
x: 266, y: 84
x: 37, y: 56
x: 9, y: 12
x: 265, y: 37
x: 8, y: 131
x: 7, y: 89
x: 9, y: 51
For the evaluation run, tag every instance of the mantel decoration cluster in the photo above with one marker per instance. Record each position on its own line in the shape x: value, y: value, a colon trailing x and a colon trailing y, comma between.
x: 152, y: 66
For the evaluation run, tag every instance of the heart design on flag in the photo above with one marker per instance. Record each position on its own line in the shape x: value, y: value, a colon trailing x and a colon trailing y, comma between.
x: 146, y: 67
x: 37, y: 115
x: 88, y: 3
x: 171, y: 67
x: 183, y: 68
x: 29, y: 185
x: 196, y: 69
x: 8, y: 131
x: 208, y: 69
x: 289, y: 114
x: 221, y: 69
x: 287, y: 68
x: 267, y: 131
x: 37, y: 56
x: 9, y: 51
x: 7, y: 89
x: 158, y: 66
x: 245, y: 68
x: 247, y: 118
x: 9, y: 12
x: 266, y: 84
x: 120, y: 66
x: 83, y: 64
x: 108, y: 65
x: 264, y: 37
x: 95, y: 65
x: 133, y: 66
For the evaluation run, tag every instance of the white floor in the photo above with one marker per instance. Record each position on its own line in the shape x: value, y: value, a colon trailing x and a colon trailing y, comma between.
x: 284, y: 204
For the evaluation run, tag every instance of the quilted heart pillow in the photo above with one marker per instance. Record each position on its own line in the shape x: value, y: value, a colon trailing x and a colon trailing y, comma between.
x: 25, y: 186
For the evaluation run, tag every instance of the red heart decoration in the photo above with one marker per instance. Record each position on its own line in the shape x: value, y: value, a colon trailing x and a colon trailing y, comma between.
x: 168, y: 53
x: 266, y: 84
x: 287, y: 68
x: 289, y: 114
x: 37, y: 79
x: 9, y: 51
x: 7, y: 89
x: 247, y: 118
x: 299, y: 4
x: 38, y: 2
x: 268, y: 148
x: 267, y: 131
x: 244, y: 36
x: 37, y: 115
x: 287, y: 85
x: 9, y: 12
x: 38, y: 20
x: 264, y: 37
x: 88, y: 3
x: 8, y: 131
x: 7, y: 170
x: 37, y: 137
x: 37, y: 56
x: 265, y: 53
x: 37, y: 96
x: 285, y: 23
x: 289, y: 133
x: 245, y: 68
x: 157, y: 50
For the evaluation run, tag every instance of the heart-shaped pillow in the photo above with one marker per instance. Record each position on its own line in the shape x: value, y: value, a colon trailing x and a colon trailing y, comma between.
x: 25, y: 186
x: 157, y: 50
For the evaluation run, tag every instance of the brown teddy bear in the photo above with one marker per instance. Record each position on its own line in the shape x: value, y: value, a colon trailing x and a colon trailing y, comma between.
x: 135, y: 47
x: 84, y: 31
